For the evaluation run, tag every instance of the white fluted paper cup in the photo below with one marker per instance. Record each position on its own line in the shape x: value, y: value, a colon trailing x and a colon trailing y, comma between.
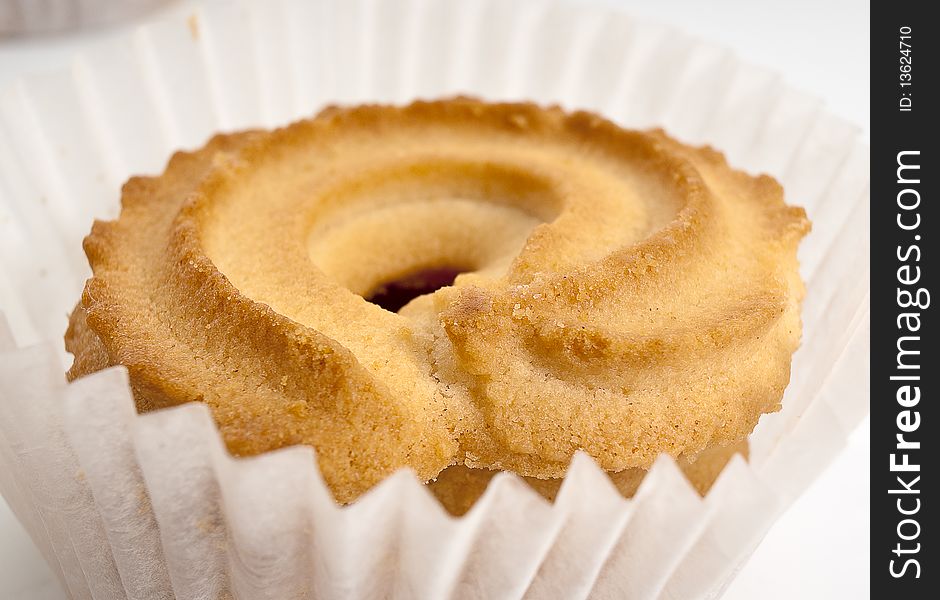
x: 38, y: 16
x: 151, y: 506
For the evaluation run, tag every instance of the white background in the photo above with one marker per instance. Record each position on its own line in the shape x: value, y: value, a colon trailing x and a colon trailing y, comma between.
x: 820, y: 548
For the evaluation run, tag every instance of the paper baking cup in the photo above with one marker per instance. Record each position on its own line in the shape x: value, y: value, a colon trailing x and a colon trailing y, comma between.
x: 33, y: 16
x: 152, y: 506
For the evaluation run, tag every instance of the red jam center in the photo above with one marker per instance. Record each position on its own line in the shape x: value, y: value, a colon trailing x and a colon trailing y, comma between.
x: 393, y: 295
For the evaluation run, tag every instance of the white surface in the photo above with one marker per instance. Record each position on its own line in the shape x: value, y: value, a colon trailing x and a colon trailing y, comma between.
x: 822, y: 49
x: 823, y: 537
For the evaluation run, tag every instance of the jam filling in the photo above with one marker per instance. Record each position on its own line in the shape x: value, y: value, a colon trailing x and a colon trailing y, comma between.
x: 393, y: 295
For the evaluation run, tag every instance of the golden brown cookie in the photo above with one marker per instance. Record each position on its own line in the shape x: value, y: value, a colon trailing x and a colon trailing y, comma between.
x: 459, y: 487
x: 618, y: 291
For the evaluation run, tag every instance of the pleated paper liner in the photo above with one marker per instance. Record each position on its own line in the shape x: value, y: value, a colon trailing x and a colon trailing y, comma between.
x: 151, y: 506
x: 21, y: 17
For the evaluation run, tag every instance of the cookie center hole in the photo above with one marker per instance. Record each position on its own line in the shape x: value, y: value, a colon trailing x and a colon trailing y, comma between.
x: 406, y: 230
x: 395, y: 294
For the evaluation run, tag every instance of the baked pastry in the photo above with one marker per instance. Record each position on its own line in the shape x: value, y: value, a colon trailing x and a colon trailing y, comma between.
x: 613, y: 291
x: 458, y: 487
